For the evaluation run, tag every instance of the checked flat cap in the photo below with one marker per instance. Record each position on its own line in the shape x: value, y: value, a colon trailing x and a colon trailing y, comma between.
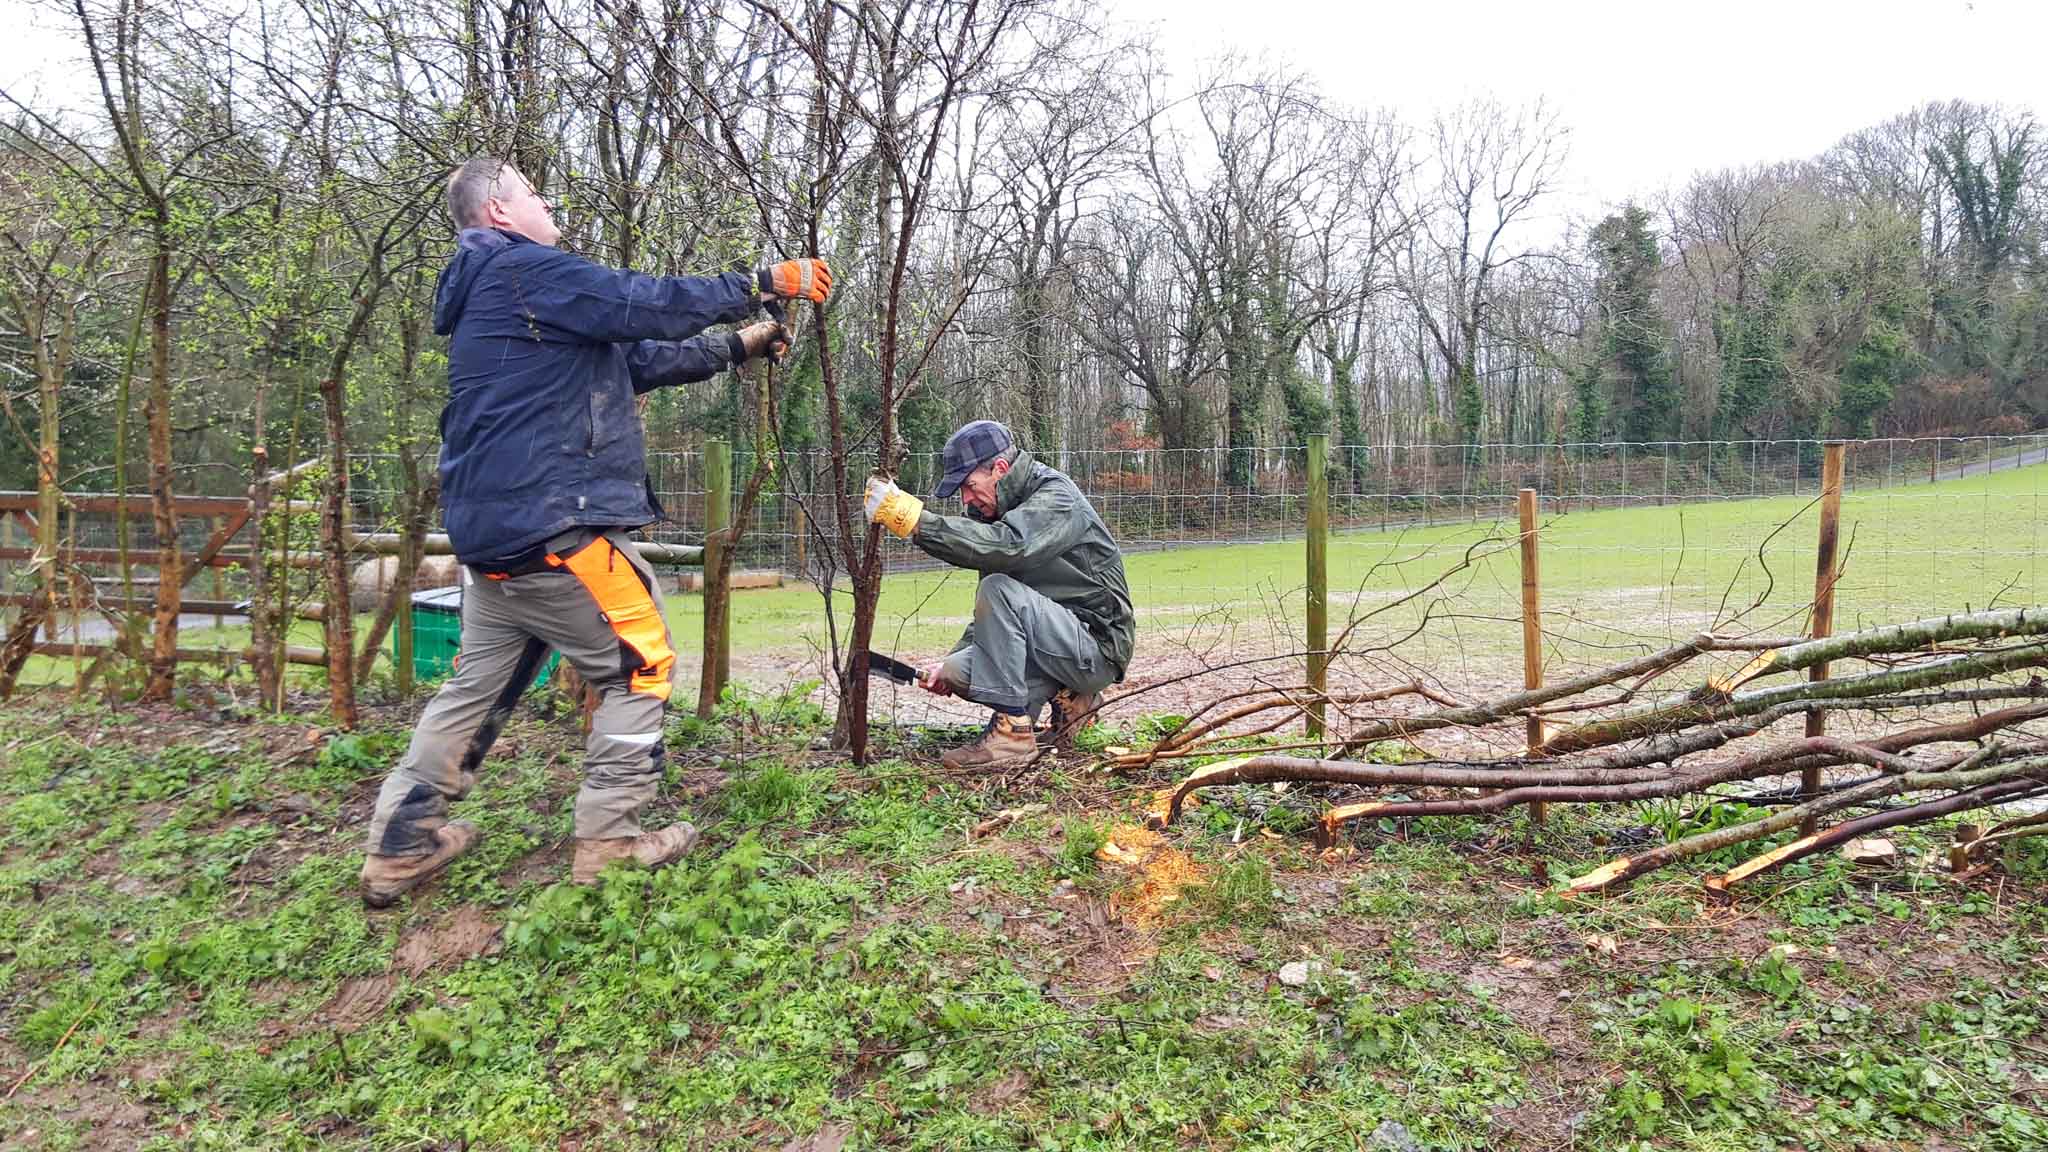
x: 975, y: 444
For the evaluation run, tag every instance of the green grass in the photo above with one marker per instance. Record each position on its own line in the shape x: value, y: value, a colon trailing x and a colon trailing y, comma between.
x: 184, y: 962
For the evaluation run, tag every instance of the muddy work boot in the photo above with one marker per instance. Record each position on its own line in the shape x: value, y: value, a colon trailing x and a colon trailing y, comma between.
x: 1009, y: 742
x: 648, y: 850
x: 1071, y: 712
x: 386, y: 878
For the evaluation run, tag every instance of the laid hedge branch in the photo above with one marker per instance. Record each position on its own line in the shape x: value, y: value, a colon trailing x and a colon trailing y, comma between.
x: 1690, y: 742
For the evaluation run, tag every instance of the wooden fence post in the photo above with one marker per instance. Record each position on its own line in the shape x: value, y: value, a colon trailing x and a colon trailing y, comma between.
x: 219, y: 591
x: 1823, y: 601
x: 1318, y: 578
x: 717, y: 604
x: 1532, y: 625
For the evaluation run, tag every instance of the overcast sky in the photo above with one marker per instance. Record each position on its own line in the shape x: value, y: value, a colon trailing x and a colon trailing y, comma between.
x: 1651, y: 90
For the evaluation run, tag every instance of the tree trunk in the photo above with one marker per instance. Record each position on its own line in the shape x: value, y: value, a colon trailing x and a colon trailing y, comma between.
x: 340, y: 618
x: 49, y: 388
x: 131, y: 628
x: 340, y: 621
x: 718, y: 582
x: 49, y: 381
x: 163, y: 661
x: 867, y: 574
x: 263, y: 618
x: 1041, y: 384
x: 1245, y: 392
x: 420, y: 501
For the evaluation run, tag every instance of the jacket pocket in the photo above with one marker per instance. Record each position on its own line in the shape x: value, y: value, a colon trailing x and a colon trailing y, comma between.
x: 611, y: 417
x: 576, y: 417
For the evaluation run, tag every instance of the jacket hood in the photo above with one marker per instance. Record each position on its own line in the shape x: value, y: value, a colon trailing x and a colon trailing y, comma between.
x: 474, y: 249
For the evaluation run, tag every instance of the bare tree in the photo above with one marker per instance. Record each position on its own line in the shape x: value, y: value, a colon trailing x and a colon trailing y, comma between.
x: 1351, y: 266
x: 152, y: 183
x: 1141, y: 308
x: 1056, y: 143
x: 1491, y: 167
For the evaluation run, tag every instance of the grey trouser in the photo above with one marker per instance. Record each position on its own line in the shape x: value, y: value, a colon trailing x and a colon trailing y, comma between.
x: 601, y: 609
x: 1021, y: 649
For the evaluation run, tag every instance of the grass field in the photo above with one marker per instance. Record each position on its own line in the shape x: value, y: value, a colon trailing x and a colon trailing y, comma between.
x: 184, y: 965
x: 1611, y: 579
x: 1608, y: 576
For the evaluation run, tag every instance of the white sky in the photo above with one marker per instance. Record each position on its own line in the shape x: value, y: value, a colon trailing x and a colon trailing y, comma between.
x: 1651, y: 90
x: 36, y: 55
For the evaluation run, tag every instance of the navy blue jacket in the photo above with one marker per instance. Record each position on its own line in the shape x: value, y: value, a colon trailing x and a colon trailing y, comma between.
x: 546, y: 351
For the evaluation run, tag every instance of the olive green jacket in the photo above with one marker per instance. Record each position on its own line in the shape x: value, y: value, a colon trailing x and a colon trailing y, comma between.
x: 1048, y: 537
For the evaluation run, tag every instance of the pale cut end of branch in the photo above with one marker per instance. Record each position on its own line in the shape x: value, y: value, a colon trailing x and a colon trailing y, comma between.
x: 1343, y: 814
x: 1765, y: 862
x: 1201, y: 776
x: 1726, y: 685
x: 1599, y: 878
x: 1197, y: 779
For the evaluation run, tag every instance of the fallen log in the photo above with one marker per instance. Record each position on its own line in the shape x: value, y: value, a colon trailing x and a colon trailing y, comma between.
x: 1533, y: 780
x: 1888, y: 639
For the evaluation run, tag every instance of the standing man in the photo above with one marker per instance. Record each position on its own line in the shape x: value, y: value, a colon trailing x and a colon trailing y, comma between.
x: 1052, y: 613
x: 543, y: 472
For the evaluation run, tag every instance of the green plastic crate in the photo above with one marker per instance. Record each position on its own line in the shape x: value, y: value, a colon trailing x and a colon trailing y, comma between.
x: 437, y: 635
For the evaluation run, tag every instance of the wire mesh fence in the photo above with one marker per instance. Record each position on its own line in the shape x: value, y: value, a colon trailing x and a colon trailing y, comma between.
x: 1641, y: 545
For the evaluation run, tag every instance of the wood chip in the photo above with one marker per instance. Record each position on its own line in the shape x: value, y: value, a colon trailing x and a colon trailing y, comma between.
x: 1004, y: 819
x: 1872, y: 851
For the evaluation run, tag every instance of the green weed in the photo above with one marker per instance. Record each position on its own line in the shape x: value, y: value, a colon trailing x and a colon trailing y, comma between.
x: 1080, y: 840
x: 1241, y: 893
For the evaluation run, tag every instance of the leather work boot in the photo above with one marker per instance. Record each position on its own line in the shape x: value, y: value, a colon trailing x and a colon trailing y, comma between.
x: 386, y: 878
x: 649, y: 850
x: 1071, y: 712
x: 1009, y: 742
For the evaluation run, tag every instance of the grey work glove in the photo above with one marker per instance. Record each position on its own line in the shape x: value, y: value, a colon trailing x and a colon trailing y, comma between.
x: 755, y: 340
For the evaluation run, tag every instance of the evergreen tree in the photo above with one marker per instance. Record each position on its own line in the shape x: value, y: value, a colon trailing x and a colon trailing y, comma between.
x: 1589, y: 403
x: 1641, y: 390
x: 1753, y: 373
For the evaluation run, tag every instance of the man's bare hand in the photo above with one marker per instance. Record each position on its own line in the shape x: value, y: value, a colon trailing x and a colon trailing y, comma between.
x: 930, y: 679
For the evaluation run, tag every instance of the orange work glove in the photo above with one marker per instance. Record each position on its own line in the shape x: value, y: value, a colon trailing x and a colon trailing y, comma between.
x: 807, y: 279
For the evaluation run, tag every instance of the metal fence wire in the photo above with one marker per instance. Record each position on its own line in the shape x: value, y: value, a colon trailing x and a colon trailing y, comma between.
x: 1642, y: 544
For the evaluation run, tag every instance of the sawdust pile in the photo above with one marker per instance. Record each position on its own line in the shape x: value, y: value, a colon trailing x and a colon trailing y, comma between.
x: 1161, y: 874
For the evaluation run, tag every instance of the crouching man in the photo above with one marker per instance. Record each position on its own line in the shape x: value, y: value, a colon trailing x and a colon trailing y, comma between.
x: 1052, y: 613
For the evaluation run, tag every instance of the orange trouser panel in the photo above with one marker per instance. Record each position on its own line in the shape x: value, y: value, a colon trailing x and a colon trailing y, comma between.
x: 615, y: 584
